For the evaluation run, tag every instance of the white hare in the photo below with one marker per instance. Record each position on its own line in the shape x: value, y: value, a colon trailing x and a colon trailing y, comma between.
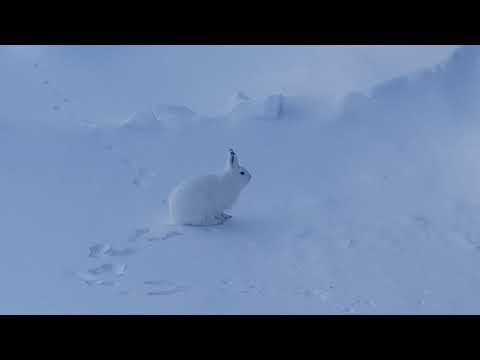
x: 203, y: 200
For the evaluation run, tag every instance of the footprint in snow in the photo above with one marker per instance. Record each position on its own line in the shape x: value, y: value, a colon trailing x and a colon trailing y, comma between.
x: 90, y: 277
x: 116, y: 269
x: 101, y: 282
x: 107, y: 283
x: 120, y: 252
x: 164, y: 287
x: 166, y: 292
x: 98, y: 250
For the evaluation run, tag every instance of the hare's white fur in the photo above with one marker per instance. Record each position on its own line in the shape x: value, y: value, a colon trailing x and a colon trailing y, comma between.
x: 203, y: 200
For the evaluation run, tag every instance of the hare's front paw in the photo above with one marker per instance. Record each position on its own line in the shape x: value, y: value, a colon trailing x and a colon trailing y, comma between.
x: 209, y: 220
x: 225, y: 216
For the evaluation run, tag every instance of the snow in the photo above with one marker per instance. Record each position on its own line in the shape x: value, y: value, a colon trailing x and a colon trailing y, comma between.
x: 369, y: 210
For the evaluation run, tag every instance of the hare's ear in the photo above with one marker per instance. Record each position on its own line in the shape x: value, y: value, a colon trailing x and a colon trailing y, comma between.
x: 232, y: 160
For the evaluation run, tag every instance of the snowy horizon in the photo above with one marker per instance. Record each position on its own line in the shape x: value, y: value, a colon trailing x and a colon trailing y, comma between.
x: 203, y: 78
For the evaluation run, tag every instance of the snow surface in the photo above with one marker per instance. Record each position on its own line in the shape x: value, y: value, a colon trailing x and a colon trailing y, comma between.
x: 372, y: 208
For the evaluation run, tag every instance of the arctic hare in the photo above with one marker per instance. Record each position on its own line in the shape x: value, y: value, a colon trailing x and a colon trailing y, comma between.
x: 203, y: 200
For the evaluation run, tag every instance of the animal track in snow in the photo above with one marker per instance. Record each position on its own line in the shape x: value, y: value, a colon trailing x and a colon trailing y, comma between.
x: 93, y: 275
x: 98, y: 250
x: 117, y: 269
x: 165, y: 287
x: 108, y: 283
x: 158, y: 282
x: 104, y: 268
x: 90, y: 277
x: 87, y: 278
x: 166, y: 236
x: 120, y: 269
x: 120, y: 252
x: 167, y: 292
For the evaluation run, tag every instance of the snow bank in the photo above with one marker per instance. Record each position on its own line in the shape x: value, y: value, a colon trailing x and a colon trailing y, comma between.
x: 279, y: 107
x: 167, y: 117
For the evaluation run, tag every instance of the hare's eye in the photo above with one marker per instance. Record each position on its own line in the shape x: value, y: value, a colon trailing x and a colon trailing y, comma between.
x: 242, y: 172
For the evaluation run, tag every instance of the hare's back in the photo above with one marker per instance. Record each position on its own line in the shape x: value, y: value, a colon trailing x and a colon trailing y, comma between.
x: 194, y: 198
x: 197, y: 189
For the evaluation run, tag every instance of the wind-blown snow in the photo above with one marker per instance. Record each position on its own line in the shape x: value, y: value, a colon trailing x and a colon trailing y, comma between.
x: 372, y: 207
